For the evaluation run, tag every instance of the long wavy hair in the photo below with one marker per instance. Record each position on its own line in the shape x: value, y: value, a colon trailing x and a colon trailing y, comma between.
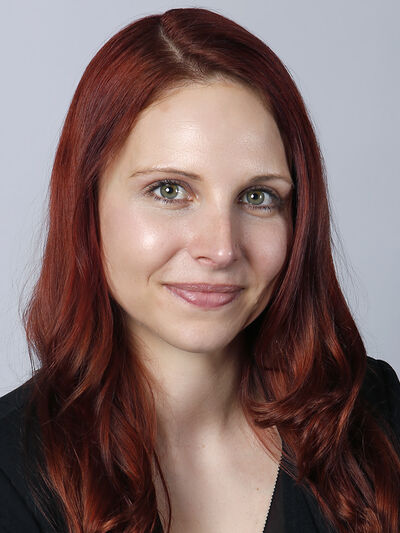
x: 91, y: 393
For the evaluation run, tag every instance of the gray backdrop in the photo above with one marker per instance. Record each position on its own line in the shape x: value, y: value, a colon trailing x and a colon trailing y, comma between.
x: 344, y: 56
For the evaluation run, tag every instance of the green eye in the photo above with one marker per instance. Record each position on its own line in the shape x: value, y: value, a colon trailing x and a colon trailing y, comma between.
x: 169, y: 191
x: 255, y: 198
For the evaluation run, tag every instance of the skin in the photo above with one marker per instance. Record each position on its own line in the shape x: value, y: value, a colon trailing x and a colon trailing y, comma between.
x: 223, y: 133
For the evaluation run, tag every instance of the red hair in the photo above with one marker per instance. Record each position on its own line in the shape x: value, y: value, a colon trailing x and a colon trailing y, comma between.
x: 92, y: 395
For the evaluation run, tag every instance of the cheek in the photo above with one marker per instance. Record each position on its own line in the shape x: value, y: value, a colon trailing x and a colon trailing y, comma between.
x: 135, y: 243
x: 267, y: 247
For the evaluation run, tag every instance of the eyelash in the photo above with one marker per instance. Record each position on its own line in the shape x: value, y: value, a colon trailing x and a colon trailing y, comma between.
x: 276, y: 198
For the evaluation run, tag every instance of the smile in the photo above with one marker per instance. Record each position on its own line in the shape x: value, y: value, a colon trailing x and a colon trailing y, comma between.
x: 204, y: 299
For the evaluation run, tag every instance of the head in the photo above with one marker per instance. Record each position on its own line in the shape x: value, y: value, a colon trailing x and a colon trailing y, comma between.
x: 228, y: 111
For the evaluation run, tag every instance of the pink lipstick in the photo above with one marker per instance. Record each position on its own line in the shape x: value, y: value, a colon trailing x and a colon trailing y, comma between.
x: 205, y: 295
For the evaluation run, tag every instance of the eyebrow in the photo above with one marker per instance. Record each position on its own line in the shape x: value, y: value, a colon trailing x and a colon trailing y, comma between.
x: 169, y: 170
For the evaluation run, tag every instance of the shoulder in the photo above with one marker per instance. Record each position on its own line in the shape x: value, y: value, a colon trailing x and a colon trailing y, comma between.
x: 381, y: 387
x: 12, y: 409
x: 20, y: 514
x: 381, y: 393
x: 14, y: 399
x: 12, y: 406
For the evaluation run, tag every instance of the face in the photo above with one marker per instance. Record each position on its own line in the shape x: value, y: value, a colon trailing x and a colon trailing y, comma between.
x: 219, y: 213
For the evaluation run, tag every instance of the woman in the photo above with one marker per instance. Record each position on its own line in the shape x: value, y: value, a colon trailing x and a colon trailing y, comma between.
x: 199, y: 367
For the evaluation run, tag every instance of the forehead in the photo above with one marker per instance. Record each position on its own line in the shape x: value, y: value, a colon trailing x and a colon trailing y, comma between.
x: 222, y: 123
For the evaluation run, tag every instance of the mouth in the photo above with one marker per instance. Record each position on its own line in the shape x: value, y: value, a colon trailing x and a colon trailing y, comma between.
x: 205, y: 295
x: 206, y: 287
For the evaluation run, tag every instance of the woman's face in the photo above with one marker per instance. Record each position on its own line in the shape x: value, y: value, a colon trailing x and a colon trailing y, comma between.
x: 214, y: 223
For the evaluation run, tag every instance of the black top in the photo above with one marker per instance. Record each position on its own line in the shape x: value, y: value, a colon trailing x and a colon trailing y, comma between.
x: 293, y: 508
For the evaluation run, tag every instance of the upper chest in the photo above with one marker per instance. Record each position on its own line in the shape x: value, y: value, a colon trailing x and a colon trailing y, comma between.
x: 219, y: 490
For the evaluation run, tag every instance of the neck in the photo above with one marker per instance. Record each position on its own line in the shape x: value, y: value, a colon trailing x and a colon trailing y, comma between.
x: 196, y: 395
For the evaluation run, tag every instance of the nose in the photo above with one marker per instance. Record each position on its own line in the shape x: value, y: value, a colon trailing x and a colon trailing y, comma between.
x: 215, y: 239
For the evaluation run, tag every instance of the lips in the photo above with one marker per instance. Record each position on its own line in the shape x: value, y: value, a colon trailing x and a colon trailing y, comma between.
x: 205, y: 295
x: 205, y: 287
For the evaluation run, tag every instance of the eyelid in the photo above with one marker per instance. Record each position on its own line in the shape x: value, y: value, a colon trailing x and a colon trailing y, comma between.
x: 184, y: 185
x: 277, y: 200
